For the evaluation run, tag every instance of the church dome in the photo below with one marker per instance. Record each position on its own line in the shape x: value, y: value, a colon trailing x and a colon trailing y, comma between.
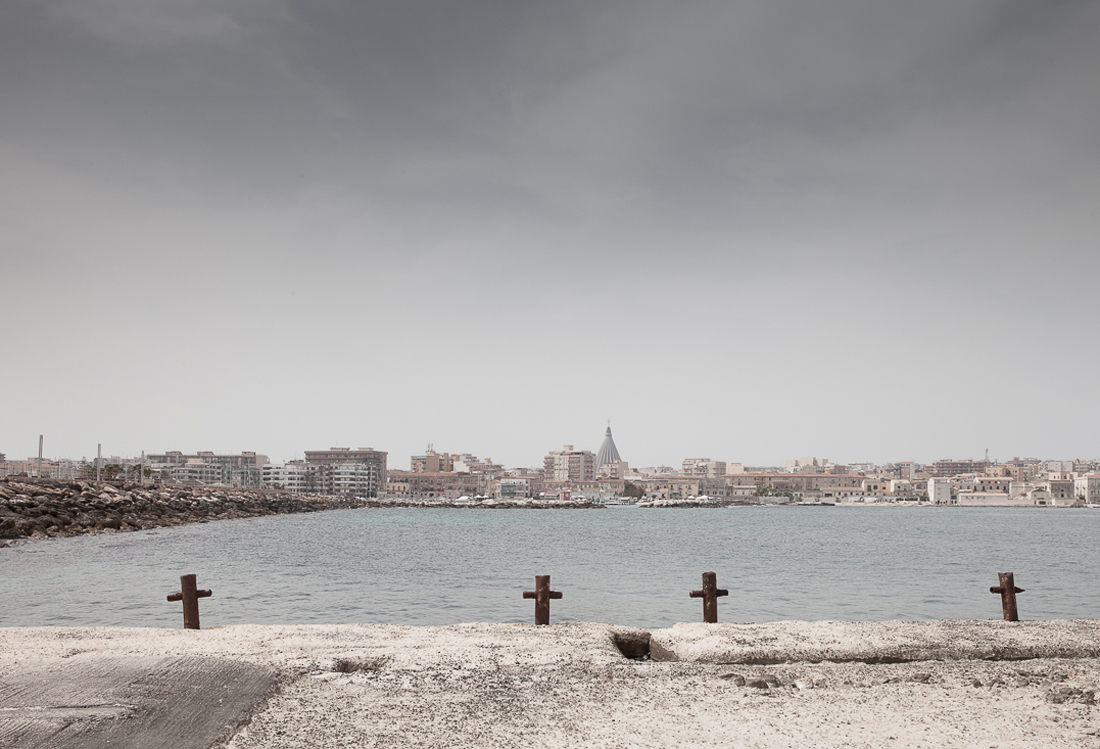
x: 608, y: 452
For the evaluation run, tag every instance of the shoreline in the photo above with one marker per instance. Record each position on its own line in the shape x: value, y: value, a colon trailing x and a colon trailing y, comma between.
x: 816, y: 684
x: 41, y: 509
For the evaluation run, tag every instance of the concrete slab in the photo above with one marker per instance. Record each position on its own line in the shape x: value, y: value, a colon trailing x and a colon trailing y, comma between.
x: 510, y: 686
x: 102, y: 701
x: 876, y: 642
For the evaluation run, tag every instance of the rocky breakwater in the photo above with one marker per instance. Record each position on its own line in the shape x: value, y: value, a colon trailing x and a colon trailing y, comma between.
x: 32, y: 508
x: 691, y: 502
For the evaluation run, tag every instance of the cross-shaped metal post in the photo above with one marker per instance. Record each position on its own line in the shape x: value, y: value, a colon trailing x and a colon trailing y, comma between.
x: 709, y: 594
x: 542, y: 595
x: 190, y: 597
x: 1008, y: 591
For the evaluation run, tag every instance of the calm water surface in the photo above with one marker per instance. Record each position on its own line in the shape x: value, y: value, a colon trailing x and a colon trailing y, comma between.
x: 623, y: 565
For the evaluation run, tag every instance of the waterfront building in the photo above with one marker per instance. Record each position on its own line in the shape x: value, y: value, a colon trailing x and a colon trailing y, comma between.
x: 993, y: 483
x: 434, y: 485
x: 1087, y: 488
x: 175, y: 457
x: 939, y: 491
x: 517, y: 487
x: 993, y: 499
x: 876, y: 487
x: 825, y: 485
x: 1059, y: 490
x: 359, y: 472
x: 906, y: 490
x: 351, y: 479
x: 296, y: 476
x: 206, y: 467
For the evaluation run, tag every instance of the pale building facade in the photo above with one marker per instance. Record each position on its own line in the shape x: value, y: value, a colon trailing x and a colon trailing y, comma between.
x: 568, y: 464
x: 291, y: 477
x: 360, y: 472
x: 939, y: 491
x: 1087, y: 488
x: 703, y: 467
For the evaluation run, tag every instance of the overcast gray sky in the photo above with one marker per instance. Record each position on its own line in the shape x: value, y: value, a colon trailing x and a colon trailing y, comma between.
x: 856, y: 229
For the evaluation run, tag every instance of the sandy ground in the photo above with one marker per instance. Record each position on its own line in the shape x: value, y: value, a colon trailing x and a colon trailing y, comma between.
x: 788, y: 684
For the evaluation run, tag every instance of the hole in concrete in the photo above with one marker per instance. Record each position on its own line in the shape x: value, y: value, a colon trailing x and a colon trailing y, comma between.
x: 633, y: 645
x: 352, y: 665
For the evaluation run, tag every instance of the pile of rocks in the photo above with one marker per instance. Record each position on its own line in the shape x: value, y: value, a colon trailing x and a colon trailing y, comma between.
x: 33, y: 508
x: 41, y: 508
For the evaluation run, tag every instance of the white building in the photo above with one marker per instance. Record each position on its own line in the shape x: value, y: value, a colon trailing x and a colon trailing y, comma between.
x: 293, y: 476
x: 357, y: 479
x: 1087, y: 488
x: 939, y: 491
x: 992, y: 499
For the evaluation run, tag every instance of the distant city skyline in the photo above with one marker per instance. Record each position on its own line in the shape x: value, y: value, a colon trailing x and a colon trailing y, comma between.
x: 397, y: 461
x: 748, y: 230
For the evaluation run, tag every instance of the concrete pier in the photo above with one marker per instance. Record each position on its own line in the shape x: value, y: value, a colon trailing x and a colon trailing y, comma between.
x: 807, y: 684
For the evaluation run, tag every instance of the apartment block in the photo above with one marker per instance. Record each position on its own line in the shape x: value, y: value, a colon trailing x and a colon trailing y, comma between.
x: 951, y: 467
x: 204, y: 467
x: 568, y: 464
x: 433, y: 462
x: 296, y: 476
x: 360, y: 472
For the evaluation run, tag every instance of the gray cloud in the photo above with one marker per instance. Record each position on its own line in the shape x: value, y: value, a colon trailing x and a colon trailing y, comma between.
x: 747, y: 230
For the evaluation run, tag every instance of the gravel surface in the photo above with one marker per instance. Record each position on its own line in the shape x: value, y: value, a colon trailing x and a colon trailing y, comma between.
x: 570, y: 685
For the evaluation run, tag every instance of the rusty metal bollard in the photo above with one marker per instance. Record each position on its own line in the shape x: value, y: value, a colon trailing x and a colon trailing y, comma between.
x: 542, y: 595
x: 190, y: 597
x: 710, y: 594
x: 1008, y: 591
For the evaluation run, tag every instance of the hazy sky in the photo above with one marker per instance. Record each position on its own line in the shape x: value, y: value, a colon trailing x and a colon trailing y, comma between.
x: 750, y: 231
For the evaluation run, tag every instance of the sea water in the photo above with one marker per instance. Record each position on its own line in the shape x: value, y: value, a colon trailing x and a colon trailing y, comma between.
x: 623, y: 565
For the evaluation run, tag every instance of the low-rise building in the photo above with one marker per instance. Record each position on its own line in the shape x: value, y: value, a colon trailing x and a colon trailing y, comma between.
x: 517, y: 487
x: 1087, y: 488
x: 993, y: 499
x: 436, y: 485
